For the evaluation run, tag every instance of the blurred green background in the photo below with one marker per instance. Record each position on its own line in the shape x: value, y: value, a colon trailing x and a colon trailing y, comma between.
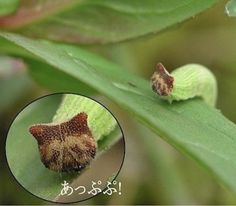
x: 152, y: 173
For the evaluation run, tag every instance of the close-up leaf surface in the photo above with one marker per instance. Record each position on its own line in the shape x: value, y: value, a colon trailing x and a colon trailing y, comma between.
x: 100, y: 21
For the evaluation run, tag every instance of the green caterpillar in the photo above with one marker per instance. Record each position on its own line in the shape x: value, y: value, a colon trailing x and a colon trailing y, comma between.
x: 189, y: 81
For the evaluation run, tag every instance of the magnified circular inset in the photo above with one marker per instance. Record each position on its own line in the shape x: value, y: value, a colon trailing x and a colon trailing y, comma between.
x: 65, y: 148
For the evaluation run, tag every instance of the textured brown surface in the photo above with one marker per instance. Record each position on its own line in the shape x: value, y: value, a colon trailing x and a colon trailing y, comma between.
x: 162, y: 81
x: 68, y: 146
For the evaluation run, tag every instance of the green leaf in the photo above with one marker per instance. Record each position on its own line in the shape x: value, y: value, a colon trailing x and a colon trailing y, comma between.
x: 230, y: 8
x: 42, y: 73
x: 190, y: 126
x: 101, y: 21
x: 8, y: 7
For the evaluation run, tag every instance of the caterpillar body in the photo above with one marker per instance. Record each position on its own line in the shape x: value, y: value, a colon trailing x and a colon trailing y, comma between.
x: 189, y: 81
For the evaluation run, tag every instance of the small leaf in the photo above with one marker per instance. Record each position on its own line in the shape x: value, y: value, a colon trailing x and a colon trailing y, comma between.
x: 100, y: 21
x: 230, y: 8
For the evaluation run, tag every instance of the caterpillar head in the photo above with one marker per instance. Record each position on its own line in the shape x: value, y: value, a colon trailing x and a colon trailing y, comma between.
x: 162, y: 81
x: 67, y: 146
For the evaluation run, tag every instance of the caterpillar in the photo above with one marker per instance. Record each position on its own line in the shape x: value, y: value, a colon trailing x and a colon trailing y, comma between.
x: 188, y: 81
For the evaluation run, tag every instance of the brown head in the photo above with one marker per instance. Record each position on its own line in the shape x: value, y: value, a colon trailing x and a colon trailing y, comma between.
x: 162, y: 81
x: 67, y: 146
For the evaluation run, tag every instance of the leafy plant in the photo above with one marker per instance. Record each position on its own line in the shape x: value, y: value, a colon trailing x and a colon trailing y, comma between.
x: 181, y: 124
x: 191, y: 126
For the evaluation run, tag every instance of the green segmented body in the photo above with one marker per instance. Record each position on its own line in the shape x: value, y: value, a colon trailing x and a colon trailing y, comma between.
x: 192, y: 80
